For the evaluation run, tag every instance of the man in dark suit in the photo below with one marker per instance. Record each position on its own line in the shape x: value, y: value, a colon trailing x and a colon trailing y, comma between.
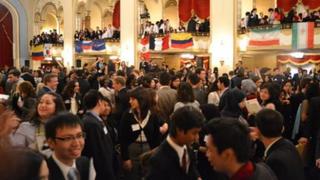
x: 192, y: 25
x: 121, y: 98
x: 174, y: 159
x: 223, y: 86
x: 167, y: 97
x: 199, y: 94
x: 280, y: 154
x: 66, y: 138
x: 27, y: 76
x: 229, y: 148
x: 98, y: 143
x: 51, y: 83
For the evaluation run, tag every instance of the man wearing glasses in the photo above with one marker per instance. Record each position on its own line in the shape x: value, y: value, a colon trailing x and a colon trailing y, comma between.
x: 66, y: 138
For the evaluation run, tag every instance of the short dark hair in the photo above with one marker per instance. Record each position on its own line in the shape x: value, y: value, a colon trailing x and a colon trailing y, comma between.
x: 14, y: 72
x: 230, y: 133
x: 269, y: 123
x: 194, y: 79
x: 224, y: 80
x: 91, y: 98
x: 185, y: 118
x: 185, y: 93
x: 198, y: 70
x: 164, y: 78
x: 61, y: 120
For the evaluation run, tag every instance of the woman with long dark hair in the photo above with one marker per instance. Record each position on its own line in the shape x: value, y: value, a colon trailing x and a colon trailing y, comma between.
x: 72, y: 97
x: 185, y: 97
x: 269, y: 95
x: 31, y: 134
x: 138, y: 133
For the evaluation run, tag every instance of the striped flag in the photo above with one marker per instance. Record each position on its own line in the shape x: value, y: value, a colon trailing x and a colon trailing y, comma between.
x: 181, y: 40
x: 37, y: 53
x: 303, y: 35
x: 86, y: 46
x: 265, y: 37
x: 144, y: 48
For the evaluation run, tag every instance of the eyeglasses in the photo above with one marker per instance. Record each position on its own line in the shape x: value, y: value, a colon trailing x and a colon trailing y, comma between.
x: 69, y: 139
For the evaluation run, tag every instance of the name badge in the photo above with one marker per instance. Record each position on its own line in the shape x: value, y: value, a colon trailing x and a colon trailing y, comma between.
x: 105, y: 130
x: 135, y: 127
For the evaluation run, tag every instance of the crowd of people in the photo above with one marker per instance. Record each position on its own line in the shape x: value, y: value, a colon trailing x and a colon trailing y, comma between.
x: 51, y: 37
x: 101, y: 123
x: 277, y: 16
x: 109, y: 32
x: 163, y: 26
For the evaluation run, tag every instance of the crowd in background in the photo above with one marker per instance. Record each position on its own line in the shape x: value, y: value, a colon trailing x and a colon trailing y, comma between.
x: 109, y: 32
x: 277, y: 16
x: 51, y: 37
x: 131, y: 116
x: 163, y: 26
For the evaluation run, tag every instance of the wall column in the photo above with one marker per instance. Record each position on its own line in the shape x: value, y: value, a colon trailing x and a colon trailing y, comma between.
x: 128, y: 30
x: 223, y: 34
x: 68, y: 30
x: 87, y: 19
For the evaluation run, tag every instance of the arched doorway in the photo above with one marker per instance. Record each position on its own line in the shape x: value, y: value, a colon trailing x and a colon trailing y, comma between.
x: 6, y: 37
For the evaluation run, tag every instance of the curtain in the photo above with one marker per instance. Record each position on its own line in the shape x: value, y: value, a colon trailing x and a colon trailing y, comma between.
x: 313, y: 4
x: 116, y: 15
x: 298, y: 61
x: 286, y: 5
x: 202, y: 8
x: 185, y: 7
x: 6, y: 35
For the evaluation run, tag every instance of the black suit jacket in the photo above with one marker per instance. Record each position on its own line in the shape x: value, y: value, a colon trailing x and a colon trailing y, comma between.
x: 122, y: 104
x: 164, y: 164
x: 284, y: 160
x: 99, y: 146
x: 30, y: 78
x: 82, y: 165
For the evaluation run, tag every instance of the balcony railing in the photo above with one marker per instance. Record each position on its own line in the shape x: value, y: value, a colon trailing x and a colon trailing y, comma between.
x: 283, y: 26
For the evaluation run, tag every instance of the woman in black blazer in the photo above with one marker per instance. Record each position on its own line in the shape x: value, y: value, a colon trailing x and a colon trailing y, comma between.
x: 72, y: 98
x: 139, y: 132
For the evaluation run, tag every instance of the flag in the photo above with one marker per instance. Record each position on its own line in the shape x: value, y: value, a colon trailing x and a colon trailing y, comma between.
x: 181, y: 40
x: 98, y: 45
x: 303, y: 35
x: 78, y: 47
x: 86, y: 45
x: 37, y: 53
x: 144, y: 48
x: 47, y: 50
x: 165, y: 42
x: 265, y: 37
x: 158, y: 44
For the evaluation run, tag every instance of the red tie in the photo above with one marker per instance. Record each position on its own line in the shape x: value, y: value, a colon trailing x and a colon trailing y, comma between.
x: 184, y: 160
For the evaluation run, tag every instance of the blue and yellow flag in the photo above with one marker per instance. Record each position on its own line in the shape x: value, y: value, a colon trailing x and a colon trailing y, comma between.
x: 181, y: 40
x: 37, y: 53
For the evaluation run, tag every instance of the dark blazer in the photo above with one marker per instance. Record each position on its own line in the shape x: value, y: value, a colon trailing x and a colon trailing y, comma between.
x: 122, y: 104
x: 223, y: 99
x: 284, y: 160
x: 99, y: 146
x: 29, y: 77
x: 42, y: 91
x: 167, y: 100
x: 164, y: 164
x: 82, y: 165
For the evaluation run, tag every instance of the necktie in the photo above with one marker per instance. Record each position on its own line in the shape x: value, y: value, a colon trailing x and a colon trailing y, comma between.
x: 184, y: 161
x: 73, y: 174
